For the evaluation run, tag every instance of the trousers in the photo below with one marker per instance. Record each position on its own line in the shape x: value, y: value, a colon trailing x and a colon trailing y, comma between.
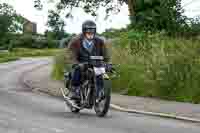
x: 76, y: 79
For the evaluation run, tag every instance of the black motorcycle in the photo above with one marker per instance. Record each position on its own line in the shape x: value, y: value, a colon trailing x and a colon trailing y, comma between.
x: 92, y: 94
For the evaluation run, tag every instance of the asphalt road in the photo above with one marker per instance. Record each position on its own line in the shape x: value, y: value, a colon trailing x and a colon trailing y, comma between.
x: 22, y: 111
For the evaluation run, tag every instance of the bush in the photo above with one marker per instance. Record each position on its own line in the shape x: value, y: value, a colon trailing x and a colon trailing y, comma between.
x: 158, y: 66
x: 27, y: 41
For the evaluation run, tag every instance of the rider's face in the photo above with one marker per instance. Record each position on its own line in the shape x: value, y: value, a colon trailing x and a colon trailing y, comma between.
x: 89, y: 35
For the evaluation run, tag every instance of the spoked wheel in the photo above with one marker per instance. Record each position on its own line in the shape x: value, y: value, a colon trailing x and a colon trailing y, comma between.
x: 101, y: 107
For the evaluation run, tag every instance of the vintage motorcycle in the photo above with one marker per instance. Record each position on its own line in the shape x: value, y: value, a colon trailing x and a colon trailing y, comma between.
x: 95, y: 87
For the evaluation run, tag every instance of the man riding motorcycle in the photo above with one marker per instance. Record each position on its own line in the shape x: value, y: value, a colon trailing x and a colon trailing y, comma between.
x: 80, y: 48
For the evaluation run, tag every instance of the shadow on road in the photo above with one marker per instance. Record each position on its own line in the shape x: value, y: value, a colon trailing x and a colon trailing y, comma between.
x: 82, y: 115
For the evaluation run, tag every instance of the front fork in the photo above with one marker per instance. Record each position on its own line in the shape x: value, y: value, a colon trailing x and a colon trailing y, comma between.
x: 99, y: 85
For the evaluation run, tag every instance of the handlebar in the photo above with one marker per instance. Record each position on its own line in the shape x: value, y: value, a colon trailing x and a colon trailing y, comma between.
x: 98, y: 61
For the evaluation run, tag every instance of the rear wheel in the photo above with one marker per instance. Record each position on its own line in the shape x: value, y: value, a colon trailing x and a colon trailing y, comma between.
x: 101, y: 107
x: 68, y: 86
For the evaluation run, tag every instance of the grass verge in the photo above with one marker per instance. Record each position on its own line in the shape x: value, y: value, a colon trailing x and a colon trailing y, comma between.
x: 24, y: 52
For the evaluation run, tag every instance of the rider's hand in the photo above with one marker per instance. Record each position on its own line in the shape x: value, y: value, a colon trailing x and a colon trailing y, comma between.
x: 108, y: 67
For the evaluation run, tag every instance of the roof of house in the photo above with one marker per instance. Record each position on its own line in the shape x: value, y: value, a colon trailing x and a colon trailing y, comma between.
x: 27, y: 20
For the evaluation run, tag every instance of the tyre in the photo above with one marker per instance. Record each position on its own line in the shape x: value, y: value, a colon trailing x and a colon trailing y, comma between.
x: 101, y: 108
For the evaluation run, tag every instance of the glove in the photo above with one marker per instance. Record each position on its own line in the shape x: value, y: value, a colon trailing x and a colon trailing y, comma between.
x: 108, y: 67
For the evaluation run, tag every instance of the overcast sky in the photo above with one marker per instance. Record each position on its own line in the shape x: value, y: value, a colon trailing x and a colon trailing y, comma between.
x: 26, y: 9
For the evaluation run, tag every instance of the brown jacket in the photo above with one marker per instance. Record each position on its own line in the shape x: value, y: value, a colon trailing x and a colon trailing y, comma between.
x: 76, y: 53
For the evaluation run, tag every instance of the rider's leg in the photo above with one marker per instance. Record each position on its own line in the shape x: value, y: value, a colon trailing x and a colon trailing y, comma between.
x: 76, y: 77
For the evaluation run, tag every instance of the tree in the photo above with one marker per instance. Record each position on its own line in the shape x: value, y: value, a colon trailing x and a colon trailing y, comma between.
x: 38, y: 5
x: 10, y: 21
x: 6, y: 13
x: 144, y: 14
x: 56, y: 24
x: 158, y: 15
x: 89, y: 6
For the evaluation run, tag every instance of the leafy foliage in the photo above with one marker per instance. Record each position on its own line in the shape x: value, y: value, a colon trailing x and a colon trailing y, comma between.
x: 38, y: 5
x: 27, y: 41
x: 10, y: 21
x: 148, y: 15
x: 193, y: 28
x: 56, y: 24
x: 89, y: 6
x: 158, y: 15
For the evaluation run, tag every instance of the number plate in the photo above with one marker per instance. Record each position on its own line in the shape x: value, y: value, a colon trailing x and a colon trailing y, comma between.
x: 96, y: 57
x: 99, y: 70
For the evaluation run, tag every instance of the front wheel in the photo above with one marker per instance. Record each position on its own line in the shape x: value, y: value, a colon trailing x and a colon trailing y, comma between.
x: 101, y: 107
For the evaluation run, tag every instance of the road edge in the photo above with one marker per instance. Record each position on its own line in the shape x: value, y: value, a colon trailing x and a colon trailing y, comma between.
x: 114, y: 106
x: 163, y: 115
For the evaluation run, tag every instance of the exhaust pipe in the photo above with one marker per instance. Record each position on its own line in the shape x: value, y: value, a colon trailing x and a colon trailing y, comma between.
x: 68, y: 100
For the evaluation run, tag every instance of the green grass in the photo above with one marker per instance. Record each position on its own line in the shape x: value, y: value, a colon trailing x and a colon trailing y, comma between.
x: 169, y: 68
x: 24, y: 52
x: 58, y: 66
x: 7, y: 59
x: 153, y: 66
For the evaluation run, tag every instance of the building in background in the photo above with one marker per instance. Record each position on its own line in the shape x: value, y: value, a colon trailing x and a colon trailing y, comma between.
x: 29, y: 27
